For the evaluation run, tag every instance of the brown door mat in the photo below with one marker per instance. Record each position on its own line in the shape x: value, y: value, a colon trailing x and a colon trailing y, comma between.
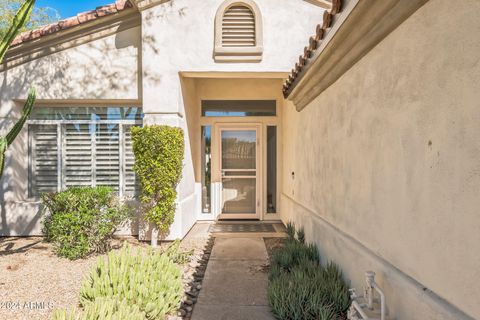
x: 241, y: 227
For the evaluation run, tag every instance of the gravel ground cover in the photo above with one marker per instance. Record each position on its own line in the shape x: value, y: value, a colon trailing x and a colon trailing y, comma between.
x: 34, y: 281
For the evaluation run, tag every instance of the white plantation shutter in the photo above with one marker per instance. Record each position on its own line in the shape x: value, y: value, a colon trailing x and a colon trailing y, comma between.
x: 107, y: 155
x: 238, y: 27
x: 44, y: 159
x: 131, y: 185
x: 82, y: 146
x: 78, y: 155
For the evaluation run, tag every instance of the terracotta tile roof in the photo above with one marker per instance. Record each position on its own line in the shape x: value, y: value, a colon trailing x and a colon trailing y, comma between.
x: 81, y: 18
x: 314, y: 44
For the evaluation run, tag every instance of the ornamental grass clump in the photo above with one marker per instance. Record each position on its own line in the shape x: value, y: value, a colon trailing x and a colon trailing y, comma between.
x: 148, y: 280
x: 82, y: 220
x: 300, y: 288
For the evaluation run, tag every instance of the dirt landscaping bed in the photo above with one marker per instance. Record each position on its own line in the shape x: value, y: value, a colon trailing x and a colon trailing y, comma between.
x: 273, y: 244
x: 34, y: 281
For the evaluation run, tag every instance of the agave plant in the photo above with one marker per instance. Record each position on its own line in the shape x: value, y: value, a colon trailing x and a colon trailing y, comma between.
x: 21, y: 18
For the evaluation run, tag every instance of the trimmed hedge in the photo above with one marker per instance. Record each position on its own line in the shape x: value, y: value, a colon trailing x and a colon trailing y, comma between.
x: 81, y: 220
x: 300, y: 288
x: 159, y: 152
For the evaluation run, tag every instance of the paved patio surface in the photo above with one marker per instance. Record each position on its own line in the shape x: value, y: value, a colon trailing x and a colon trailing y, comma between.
x: 234, y: 287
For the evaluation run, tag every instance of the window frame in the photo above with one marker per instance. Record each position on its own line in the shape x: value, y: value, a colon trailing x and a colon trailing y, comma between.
x: 238, y: 54
x: 61, y: 124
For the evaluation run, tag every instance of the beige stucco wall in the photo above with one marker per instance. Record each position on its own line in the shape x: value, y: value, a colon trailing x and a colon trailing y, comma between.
x: 178, y: 36
x: 386, y: 165
x: 143, y: 64
x: 100, y: 71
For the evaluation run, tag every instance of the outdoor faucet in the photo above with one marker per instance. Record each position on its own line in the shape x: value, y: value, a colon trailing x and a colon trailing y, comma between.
x: 360, y: 311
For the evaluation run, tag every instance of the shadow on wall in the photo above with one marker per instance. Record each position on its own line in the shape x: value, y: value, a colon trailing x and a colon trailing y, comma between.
x: 17, y: 220
x: 86, y: 71
x: 161, y: 13
x: 94, y: 71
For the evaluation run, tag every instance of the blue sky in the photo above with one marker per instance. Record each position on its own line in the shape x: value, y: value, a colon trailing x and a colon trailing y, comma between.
x: 71, y: 8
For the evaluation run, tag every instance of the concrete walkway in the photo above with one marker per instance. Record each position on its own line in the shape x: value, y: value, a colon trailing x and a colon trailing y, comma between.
x: 234, y: 287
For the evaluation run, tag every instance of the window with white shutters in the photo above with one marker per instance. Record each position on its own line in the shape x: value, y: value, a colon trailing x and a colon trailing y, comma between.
x: 238, y: 32
x: 130, y: 183
x: 82, y: 147
x: 44, y: 158
x: 77, y: 155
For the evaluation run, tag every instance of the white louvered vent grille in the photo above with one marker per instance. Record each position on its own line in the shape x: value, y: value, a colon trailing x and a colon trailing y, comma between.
x: 44, y: 174
x: 238, y: 27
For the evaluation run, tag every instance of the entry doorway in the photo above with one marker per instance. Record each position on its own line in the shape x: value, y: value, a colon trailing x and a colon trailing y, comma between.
x: 239, y: 165
x: 238, y: 160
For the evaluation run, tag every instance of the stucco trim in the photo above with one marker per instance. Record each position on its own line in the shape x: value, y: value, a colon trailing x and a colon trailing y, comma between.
x: 321, y: 3
x: 358, y: 28
x: 238, y: 54
x: 72, y: 22
x: 233, y: 75
x: 70, y: 38
x: 147, y: 4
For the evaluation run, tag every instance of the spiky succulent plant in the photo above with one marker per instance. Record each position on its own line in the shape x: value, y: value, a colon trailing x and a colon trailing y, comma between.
x: 21, y: 18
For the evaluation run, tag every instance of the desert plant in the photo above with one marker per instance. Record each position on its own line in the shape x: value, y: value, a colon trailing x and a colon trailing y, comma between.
x: 21, y: 18
x: 81, y: 220
x: 19, y: 21
x: 291, y: 230
x: 40, y: 16
x: 300, y: 287
x: 292, y: 255
x: 147, y: 279
x: 301, y: 235
x: 102, y: 309
x: 159, y: 152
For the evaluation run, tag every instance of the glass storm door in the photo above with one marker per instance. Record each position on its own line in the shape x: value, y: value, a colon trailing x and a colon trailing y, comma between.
x: 240, y: 166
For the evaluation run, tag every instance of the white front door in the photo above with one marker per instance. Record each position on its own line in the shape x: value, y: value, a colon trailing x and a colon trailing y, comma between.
x: 240, y: 171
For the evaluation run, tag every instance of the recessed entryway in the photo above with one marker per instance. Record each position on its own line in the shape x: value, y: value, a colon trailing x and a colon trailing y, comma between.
x: 240, y: 170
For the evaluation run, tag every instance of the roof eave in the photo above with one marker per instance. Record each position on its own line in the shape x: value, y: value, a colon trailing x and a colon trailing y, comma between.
x: 361, y: 25
x: 82, y: 19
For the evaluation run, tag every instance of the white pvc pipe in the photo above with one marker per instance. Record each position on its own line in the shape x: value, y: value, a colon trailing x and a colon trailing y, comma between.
x: 382, y: 300
x: 358, y: 308
x: 370, y: 276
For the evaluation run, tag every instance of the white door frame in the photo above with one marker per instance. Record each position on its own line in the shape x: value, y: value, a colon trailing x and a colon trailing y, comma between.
x: 217, y: 166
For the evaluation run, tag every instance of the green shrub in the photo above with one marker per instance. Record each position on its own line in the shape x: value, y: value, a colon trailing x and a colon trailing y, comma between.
x: 80, y: 221
x: 159, y: 152
x: 146, y: 279
x: 102, y: 309
x: 301, y: 288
